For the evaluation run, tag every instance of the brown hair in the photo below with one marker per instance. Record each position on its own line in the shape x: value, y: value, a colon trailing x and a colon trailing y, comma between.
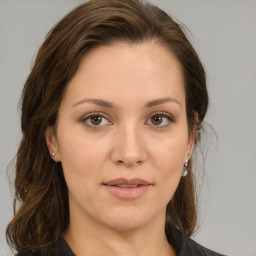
x: 41, y: 190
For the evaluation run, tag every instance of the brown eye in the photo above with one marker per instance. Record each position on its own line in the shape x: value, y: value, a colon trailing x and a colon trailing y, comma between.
x: 160, y: 119
x: 96, y: 120
x: 156, y: 120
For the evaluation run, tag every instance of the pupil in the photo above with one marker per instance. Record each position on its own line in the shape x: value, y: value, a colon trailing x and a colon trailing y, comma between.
x: 157, y: 120
x: 96, y: 120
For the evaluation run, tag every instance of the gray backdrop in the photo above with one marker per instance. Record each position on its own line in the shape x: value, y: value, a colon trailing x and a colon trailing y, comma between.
x: 224, y: 34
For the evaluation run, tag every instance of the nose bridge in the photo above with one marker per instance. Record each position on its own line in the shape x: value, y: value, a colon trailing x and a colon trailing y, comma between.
x: 129, y: 145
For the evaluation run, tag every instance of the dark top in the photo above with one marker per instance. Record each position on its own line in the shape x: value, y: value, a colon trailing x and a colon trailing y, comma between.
x: 188, y: 247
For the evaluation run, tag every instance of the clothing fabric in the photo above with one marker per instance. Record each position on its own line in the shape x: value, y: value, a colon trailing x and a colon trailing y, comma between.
x: 191, y: 248
x: 188, y: 247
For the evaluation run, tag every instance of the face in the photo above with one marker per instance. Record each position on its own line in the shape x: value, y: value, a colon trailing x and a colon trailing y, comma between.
x: 122, y: 135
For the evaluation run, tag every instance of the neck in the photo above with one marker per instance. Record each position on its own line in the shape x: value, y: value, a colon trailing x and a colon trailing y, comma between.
x: 91, y: 240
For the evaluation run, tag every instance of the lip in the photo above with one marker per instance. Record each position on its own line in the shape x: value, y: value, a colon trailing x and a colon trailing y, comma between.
x: 123, y: 181
x: 127, y: 193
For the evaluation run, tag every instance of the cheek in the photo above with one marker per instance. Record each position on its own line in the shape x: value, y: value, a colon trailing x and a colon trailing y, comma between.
x: 78, y: 147
x: 169, y: 161
x: 171, y: 154
x: 81, y: 164
x: 82, y: 158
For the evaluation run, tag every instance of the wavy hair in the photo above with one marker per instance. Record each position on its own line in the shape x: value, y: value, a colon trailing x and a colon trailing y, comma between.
x: 41, y: 190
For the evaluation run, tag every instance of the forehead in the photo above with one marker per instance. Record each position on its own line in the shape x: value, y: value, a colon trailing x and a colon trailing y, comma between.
x: 119, y: 71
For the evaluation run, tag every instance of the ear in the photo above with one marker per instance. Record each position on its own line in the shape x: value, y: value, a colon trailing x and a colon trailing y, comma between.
x: 51, y: 142
x: 191, y: 139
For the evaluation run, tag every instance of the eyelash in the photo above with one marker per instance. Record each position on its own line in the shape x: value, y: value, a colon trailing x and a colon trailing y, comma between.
x: 169, y: 118
x: 96, y: 114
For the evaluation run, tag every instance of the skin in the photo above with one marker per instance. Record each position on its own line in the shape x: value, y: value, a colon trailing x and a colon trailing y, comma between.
x: 127, y: 143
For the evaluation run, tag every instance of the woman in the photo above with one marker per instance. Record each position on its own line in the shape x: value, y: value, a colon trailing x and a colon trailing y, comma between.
x: 111, y: 112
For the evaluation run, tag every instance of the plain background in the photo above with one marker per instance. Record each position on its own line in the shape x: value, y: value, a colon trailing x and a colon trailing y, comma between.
x: 224, y: 34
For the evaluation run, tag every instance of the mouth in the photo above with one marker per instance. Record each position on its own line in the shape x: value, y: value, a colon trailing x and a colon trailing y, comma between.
x: 127, y: 189
x: 127, y: 186
x: 127, y: 182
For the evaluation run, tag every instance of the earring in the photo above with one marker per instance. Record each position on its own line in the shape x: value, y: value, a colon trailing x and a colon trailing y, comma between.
x: 185, y: 169
x: 52, y: 154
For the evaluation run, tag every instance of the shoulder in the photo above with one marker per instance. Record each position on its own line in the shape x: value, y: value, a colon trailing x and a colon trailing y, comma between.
x: 60, y: 248
x: 192, y: 248
x: 28, y: 253
x: 35, y: 252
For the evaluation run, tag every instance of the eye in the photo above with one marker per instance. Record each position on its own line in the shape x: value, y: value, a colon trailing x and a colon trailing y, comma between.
x: 94, y: 120
x: 160, y: 119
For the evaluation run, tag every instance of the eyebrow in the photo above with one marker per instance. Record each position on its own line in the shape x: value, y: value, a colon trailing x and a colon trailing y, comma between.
x: 107, y: 104
x: 98, y: 102
x: 161, y: 101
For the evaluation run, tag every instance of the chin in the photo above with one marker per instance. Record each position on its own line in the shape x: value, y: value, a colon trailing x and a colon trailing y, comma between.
x: 127, y: 221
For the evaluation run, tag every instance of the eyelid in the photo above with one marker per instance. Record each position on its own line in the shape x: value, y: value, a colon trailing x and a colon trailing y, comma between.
x: 102, y: 114
x: 164, y: 114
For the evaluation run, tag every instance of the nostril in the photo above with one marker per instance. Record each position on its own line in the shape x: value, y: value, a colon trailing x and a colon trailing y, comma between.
x: 129, y: 163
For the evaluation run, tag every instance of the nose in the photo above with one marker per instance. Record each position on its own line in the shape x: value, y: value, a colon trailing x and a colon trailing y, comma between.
x: 129, y: 147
